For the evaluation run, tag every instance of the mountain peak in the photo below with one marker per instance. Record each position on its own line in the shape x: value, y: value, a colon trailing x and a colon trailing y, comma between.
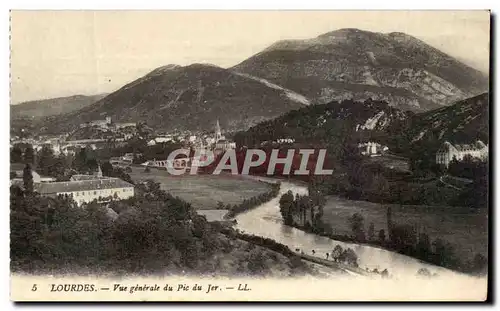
x: 163, y: 69
x: 403, y: 37
x: 344, y: 31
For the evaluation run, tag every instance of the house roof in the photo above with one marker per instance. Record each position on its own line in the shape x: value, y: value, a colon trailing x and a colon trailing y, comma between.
x: 478, y: 145
x: 84, y: 177
x: 446, y: 147
x: 81, y: 185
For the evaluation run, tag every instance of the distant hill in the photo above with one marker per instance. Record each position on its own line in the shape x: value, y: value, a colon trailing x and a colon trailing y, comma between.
x: 328, y: 124
x: 189, y: 98
x: 354, y: 64
x: 403, y: 131
x: 464, y: 122
x: 53, y: 106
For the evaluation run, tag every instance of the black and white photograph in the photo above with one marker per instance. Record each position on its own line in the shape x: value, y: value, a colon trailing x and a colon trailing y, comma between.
x: 249, y: 155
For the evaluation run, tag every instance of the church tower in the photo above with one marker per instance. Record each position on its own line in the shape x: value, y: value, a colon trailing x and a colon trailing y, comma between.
x: 218, y: 134
x: 98, y: 174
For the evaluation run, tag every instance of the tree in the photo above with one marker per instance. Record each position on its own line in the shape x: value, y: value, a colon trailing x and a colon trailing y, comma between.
x: 80, y: 161
x: 58, y: 169
x: 29, y: 155
x: 220, y: 205
x: 479, y: 265
x: 337, y: 252
x: 385, y: 273
x: 423, y: 246
x: 107, y: 169
x: 404, y: 237
x: 381, y: 236
x: 423, y: 272
x: 349, y: 257
x: 45, y: 160
x: 378, y: 189
x: 286, y: 204
x: 356, y: 223
x: 445, y: 253
x: 16, y: 154
x: 28, y: 179
x: 371, y: 232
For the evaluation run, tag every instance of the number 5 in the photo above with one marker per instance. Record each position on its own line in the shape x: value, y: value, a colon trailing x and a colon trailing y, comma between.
x: 33, y: 289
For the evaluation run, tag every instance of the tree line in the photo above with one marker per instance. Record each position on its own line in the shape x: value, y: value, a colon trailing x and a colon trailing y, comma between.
x: 402, y: 238
x: 150, y: 233
x: 62, y: 167
x: 253, y: 202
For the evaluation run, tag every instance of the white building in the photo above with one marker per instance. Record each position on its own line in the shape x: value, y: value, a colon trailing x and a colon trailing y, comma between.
x: 176, y: 163
x: 285, y: 140
x: 160, y: 140
x: 448, y: 152
x: 372, y: 148
x: 125, y: 125
x: 101, y: 123
x: 225, y: 144
x: 221, y: 143
x: 218, y: 132
x: 85, y: 191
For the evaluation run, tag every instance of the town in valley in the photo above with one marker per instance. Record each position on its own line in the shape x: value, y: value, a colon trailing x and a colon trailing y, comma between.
x: 401, y: 127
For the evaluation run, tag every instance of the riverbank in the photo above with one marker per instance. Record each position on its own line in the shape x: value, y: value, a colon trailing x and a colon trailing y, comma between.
x: 295, y: 258
x: 465, y: 228
x: 266, y: 221
x: 253, y: 202
x: 403, y: 238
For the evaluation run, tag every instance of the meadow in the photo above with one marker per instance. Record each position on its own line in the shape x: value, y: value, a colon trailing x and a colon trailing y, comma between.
x: 465, y: 228
x: 204, y: 191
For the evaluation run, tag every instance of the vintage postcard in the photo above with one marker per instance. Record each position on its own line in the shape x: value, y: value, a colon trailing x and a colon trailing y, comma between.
x: 249, y: 155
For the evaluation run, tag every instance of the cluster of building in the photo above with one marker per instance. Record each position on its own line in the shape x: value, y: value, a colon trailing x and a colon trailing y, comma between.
x: 448, y: 152
x: 107, y: 124
x: 58, y: 144
x: 217, y: 143
x: 81, y: 188
x: 372, y: 149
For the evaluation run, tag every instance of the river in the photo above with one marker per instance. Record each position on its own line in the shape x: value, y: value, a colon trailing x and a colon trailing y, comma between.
x: 266, y: 221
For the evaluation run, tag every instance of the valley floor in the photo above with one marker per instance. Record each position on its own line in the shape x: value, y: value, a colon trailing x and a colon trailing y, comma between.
x: 466, y: 228
x: 204, y: 191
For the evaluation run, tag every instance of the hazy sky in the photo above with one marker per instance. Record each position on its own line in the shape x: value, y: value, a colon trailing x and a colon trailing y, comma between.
x: 61, y: 53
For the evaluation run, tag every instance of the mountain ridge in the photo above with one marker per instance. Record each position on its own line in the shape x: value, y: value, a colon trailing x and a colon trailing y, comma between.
x: 403, y: 131
x: 344, y: 64
x: 189, y: 97
x: 52, y: 106
x: 352, y: 58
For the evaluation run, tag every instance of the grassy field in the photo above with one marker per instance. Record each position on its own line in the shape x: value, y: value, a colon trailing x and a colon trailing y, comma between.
x: 465, y: 228
x: 213, y: 214
x: 204, y: 191
x: 392, y: 162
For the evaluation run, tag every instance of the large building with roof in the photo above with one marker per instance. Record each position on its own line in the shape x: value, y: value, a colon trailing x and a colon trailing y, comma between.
x: 85, y: 191
x: 449, y: 151
x: 82, y: 188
